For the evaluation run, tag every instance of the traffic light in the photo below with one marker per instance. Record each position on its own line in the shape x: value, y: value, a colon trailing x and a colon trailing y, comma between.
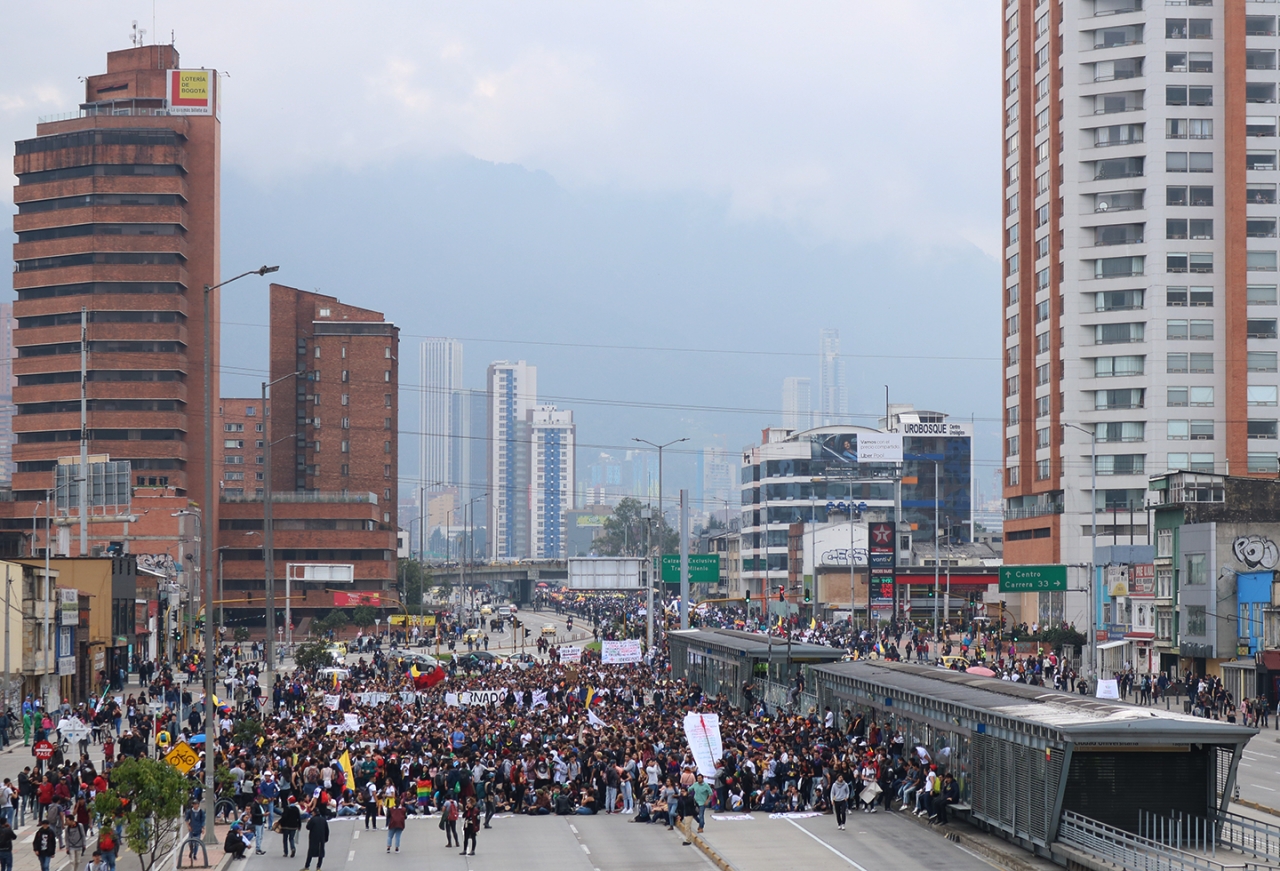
x: 807, y: 597
x: 746, y: 601
x: 782, y: 596
x: 526, y: 632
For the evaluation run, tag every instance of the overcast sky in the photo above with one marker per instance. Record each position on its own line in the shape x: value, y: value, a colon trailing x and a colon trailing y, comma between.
x: 846, y: 126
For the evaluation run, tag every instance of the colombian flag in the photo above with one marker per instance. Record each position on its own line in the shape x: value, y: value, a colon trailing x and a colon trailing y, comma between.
x: 345, y: 761
x: 590, y: 697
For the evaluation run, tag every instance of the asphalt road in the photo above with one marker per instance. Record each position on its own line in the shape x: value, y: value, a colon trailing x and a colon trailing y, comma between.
x: 880, y: 842
x: 529, y: 843
x: 1259, y: 773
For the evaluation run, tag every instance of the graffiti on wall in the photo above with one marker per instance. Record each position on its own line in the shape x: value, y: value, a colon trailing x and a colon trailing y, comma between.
x: 1256, y: 551
x: 839, y: 556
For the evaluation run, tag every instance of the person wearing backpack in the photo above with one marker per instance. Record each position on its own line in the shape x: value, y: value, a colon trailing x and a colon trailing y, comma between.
x: 45, y: 845
x: 449, y: 816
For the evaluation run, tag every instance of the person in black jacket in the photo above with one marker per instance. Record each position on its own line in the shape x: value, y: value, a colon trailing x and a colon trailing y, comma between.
x: 950, y: 795
x: 290, y: 823
x: 45, y: 844
x: 317, y: 836
x: 7, y: 837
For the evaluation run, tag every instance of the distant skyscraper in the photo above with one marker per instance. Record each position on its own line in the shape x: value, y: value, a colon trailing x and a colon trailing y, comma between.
x: 468, y: 457
x: 797, y: 403
x: 440, y: 376
x: 512, y: 392
x: 551, y: 455
x: 834, y: 397
x: 719, y: 482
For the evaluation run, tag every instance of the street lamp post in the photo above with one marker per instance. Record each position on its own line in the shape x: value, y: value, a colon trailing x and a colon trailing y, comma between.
x: 268, y: 541
x: 210, y: 666
x: 649, y: 607
x: 1093, y: 534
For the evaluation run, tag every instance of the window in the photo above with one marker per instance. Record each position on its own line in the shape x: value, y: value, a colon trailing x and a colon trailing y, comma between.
x: 1176, y: 363
x: 1263, y: 429
x: 1261, y: 361
x: 1043, y: 470
x: 1260, y: 194
x: 1011, y: 415
x: 386, y: 400
x: 1175, y: 28
x: 345, y: 470
x: 1011, y: 385
x: 1201, y: 397
x: 1260, y: 160
x: 1261, y: 294
x: 1176, y: 263
x: 1042, y: 312
x: 345, y: 447
x: 1131, y: 398
x: 1260, y: 328
x: 233, y: 476
x: 1113, y: 334
x: 233, y: 460
x: 1175, y: 61
x: 1118, y: 300
x: 1175, y: 161
x: 1164, y: 544
x: 1012, y: 325
x: 1201, y: 430
x: 1262, y: 261
x: 1106, y: 367
x: 1164, y: 621
x: 1200, y: 330
x: 233, y: 427
x: 1178, y: 430
x: 1042, y: 375
x: 1200, y: 128
x: 346, y: 399
x: 386, y: 470
x: 1260, y: 228
x: 1200, y: 62
x: 1011, y: 476
x: 1264, y: 463
x: 233, y: 443
x: 1177, y: 397
x: 346, y: 423
x: 1121, y: 464
x: 386, y: 447
x: 1195, y: 620
x: 1260, y: 394
x: 1042, y: 407
x: 1175, y: 228
x: 1175, y: 95
x: 1201, y: 263
x: 1120, y: 431
x: 1176, y: 462
x: 1042, y: 437
x: 346, y: 376
x: 1042, y: 343
x: 1202, y: 364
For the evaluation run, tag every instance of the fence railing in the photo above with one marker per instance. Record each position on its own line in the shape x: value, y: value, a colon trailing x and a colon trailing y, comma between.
x: 1137, y: 853
x: 1232, y: 831
x: 777, y: 695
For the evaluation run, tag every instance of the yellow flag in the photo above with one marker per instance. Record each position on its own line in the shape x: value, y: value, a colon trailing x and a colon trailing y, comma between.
x: 345, y: 761
x: 813, y: 623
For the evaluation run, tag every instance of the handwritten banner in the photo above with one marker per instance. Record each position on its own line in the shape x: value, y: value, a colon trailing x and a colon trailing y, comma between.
x: 620, y: 652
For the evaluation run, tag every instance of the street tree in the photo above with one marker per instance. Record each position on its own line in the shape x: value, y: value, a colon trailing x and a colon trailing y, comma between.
x: 626, y: 532
x: 363, y: 616
x: 149, y: 794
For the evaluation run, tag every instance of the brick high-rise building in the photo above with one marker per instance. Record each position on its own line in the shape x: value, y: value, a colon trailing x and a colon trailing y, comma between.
x: 7, y: 410
x: 240, y: 469
x: 118, y: 214
x: 344, y: 405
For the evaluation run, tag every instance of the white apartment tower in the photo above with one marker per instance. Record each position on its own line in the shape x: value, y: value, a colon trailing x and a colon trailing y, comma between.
x: 797, y: 403
x: 1139, y: 297
x: 552, y: 440
x: 512, y: 394
x: 440, y: 377
x: 833, y: 396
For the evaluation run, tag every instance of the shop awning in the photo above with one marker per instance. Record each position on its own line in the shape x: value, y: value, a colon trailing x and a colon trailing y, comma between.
x: 1111, y: 645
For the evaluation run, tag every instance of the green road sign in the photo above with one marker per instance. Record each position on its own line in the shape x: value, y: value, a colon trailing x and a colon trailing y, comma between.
x: 704, y: 568
x: 1033, y: 579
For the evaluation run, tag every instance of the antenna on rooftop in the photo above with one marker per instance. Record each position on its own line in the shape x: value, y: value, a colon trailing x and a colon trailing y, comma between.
x: 138, y: 35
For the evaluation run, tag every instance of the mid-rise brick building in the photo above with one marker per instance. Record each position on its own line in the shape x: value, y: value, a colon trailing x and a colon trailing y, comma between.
x: 332, y: 419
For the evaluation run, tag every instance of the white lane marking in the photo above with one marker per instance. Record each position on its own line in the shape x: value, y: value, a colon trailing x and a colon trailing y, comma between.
x: 573, y: 828
x: 1260, y: 786
x: 1260, y: 753
x: 1245, y: 765
x: 585, y: 849
x: 351, y: 857
x: 355, y: 836
x: 825, y: 844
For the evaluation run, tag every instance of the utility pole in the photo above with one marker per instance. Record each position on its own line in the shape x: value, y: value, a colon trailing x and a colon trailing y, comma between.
x: 684, y: 559
x: 1091, y: 666
x: 209, y: 531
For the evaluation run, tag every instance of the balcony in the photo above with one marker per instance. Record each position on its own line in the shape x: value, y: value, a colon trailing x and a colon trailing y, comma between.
x: 1027, y: 512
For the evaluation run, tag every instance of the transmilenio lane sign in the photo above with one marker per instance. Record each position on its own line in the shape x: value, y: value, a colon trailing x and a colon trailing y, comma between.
x: 1033, y: 579
x: 704, y: 568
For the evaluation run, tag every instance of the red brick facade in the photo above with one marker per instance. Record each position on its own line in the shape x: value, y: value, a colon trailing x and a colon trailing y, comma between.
x: 118, y: 212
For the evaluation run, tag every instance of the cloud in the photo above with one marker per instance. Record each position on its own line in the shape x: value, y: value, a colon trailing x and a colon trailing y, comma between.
x: 849, y: 120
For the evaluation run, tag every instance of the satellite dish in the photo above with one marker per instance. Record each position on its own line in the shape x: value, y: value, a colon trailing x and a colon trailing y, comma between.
x: 1102, y: 206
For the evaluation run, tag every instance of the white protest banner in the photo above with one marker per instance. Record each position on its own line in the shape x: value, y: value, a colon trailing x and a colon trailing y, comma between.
x: 408, y: 698
x: 702, y: 732
x: 481, y: 697
x: 373, y: 698
x: 540, y: 698
x: 620, y: 652
x: 570, y: 654
x: 331, y: 702
x: 1108, y: 689
x: 451, y: 699
x: 351, y: 722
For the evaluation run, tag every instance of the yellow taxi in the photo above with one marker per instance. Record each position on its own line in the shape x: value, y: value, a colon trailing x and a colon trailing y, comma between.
x: 955, y: 662
x: 485, y: 611
x: 549, y: 629
x: 472, y: 635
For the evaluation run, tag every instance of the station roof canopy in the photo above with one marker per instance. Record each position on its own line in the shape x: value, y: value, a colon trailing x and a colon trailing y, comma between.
x: 1081, y: 720
x: 757, y: 646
